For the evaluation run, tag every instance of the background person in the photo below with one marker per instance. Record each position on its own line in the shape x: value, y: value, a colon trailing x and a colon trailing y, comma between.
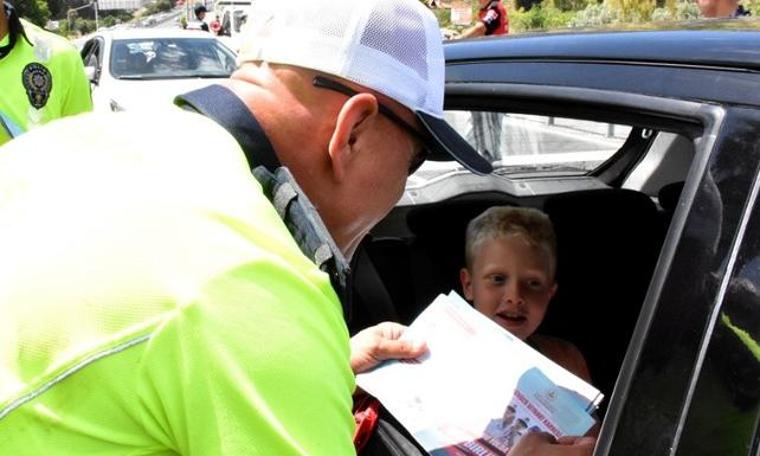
x: 41, y: 75
x: 721, y: 8
x: 200, y: 14
x: 157, y: 297
x: 492, y: 20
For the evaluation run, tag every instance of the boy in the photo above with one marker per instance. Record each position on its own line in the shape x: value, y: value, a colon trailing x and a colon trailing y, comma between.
x: 511, y: 257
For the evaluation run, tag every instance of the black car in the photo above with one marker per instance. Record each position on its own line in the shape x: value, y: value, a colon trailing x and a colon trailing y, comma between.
x: 644, y: 150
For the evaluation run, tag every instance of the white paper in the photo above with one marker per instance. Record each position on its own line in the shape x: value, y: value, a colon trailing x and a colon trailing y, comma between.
x: 453, y: 399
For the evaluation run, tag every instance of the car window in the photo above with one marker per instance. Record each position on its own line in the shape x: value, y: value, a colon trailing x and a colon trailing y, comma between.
x: 165, y: 58
x: 539, y: 142
x: 91, y: 54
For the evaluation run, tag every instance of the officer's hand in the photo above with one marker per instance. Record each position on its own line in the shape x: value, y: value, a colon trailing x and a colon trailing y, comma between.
x: 380, y: 342
x: 543, y: 444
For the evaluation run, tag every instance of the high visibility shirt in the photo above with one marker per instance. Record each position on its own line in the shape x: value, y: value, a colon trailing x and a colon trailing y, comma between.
x: 153, y: 302
x: 40, y: 82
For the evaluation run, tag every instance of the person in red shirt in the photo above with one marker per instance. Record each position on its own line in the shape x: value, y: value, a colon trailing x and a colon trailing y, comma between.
x: 492, y: 20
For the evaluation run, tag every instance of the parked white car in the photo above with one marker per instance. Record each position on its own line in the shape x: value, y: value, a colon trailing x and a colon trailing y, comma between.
x: 147, y: 68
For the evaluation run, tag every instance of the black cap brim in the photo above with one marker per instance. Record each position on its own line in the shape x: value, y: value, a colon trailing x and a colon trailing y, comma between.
x: 444, y: 140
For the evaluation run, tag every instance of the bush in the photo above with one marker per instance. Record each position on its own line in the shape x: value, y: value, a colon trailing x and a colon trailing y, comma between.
x: 753, y: 6
x: 158, y: 6
x: 540, y: 17
x: 683, y: 11
x: 633, y: 10
x: 35, y: 11
x: 84, y: 26
x: 610, y: 12
x: 108, y: 21
x: 595, y: 15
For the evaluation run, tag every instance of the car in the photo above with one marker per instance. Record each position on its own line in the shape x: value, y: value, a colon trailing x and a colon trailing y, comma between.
x: 146, y: 68
x: 643, y: 148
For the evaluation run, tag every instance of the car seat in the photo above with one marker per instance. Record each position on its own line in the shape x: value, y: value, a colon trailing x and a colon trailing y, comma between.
x: 136, y: 63
x: 608, y: 241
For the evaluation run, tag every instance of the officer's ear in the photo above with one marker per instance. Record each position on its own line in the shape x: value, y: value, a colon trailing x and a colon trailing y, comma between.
x: 353, y: 122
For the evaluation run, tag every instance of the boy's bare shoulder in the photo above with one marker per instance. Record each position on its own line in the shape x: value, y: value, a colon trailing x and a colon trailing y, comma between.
x: 563, y: 353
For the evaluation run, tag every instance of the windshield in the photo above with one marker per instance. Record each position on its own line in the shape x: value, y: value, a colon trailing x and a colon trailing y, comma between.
x: 169, y: 58
x: 522, y: 143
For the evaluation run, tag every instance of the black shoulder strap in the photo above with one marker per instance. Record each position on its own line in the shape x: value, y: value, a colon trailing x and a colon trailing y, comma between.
x: 228, y: 110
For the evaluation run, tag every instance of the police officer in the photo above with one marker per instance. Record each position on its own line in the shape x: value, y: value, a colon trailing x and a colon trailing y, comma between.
x: 157, y: 297
x: 41, y: 76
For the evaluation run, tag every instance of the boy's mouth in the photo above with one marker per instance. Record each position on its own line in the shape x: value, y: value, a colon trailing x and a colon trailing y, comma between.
x: 511, y: 318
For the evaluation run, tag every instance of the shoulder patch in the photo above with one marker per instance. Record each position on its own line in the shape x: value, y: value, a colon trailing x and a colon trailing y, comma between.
x: 38, y: 83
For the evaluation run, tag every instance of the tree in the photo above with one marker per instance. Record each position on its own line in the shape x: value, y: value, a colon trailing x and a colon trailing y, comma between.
x: 35, y: 11
x: 57, y: 8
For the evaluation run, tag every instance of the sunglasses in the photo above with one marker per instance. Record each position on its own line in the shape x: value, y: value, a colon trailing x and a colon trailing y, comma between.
x: 419, y: 158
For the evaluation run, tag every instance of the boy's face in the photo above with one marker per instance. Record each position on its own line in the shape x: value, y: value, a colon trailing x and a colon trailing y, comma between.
x: 511, y: 283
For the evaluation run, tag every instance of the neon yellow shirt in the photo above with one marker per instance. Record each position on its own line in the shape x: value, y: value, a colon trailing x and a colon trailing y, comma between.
x: 54, y: 74
x: 153, y: 302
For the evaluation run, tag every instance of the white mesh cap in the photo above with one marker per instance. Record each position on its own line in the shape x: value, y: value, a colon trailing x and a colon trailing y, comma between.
x: 391, y: 46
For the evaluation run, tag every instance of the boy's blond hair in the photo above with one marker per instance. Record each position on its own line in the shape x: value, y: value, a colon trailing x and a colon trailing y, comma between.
x: 530, y: 224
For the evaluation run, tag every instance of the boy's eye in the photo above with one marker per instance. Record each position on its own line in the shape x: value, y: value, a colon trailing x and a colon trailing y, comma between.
x: 535, y: 285
x: 497, y: 279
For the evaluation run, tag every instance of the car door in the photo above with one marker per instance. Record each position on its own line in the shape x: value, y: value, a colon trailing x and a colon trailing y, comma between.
x: 690, y: 372
x: 691, y: 381
x: 93, y: 57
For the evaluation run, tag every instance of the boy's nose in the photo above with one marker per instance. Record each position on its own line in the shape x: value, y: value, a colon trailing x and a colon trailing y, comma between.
x: 512, y: 294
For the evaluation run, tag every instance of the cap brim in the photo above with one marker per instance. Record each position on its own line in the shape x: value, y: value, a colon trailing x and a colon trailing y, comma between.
x: 444, y: 140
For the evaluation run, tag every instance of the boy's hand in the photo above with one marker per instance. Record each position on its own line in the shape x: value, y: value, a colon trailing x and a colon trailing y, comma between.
x: 377, y: 343
x: 543, y: 444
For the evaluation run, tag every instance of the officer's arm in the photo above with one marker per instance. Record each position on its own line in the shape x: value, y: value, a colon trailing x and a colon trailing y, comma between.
x: 78, y: 98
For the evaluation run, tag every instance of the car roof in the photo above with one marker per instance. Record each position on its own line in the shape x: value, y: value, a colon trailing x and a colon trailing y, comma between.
x: 144, y: 33
x: 711, y: 48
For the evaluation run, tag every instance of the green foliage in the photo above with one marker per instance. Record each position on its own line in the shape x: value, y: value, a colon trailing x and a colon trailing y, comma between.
x: 633, y: 10
x: 108, y: 21
x: 566, y: 5
x: 84, y: 26
x: 682, y: 11
x: 544, y: 16
x: 597, y: 15
x: 57, y: 8
x: 158, y: 6
x: 35, y: 11
x: 444, y: 16
x: 753, y: 6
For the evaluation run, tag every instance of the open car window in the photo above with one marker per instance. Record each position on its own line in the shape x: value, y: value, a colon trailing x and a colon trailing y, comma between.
x: 527, y: 142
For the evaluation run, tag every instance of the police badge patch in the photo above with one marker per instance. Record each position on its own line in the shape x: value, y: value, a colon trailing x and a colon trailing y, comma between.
x: 38, y: 83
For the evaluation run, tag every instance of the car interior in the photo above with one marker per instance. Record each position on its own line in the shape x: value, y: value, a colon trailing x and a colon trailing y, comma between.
x: 610, y: 219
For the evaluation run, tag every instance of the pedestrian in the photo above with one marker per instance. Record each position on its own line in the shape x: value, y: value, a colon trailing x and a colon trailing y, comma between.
x: 722, y: 8
x: 41, y: 75
x: 492, y: 20
x: 216, y: 26
x: 200, y: 14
